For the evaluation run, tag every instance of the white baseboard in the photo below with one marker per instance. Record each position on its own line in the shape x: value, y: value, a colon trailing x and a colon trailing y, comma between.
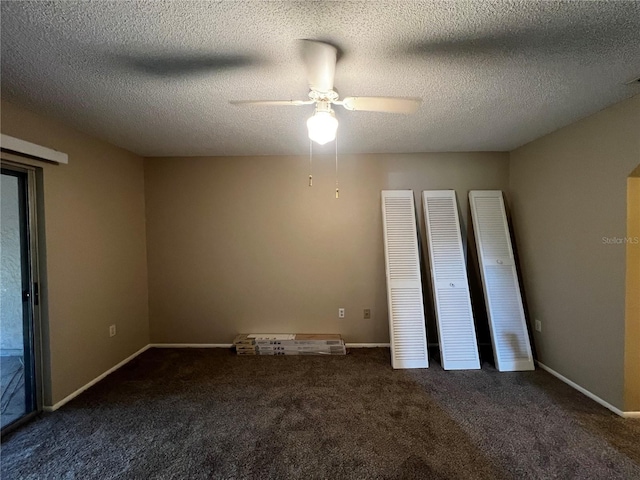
x: 68, y: 398
x: 191, y: 345
x: 586, y: 392
x: 366, y: 345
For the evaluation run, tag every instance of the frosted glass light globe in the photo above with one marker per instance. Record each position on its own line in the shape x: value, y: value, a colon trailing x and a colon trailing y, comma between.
x: 322, y: 127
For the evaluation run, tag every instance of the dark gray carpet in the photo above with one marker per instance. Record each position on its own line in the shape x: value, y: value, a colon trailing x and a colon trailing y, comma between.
x: 12, y: 394
x: 203, y: 414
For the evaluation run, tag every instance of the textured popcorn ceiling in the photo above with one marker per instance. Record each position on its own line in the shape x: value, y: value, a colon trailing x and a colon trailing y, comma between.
x: 155, y: 77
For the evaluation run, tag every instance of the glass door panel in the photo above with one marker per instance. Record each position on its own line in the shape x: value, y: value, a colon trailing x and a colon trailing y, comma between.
x: 17, y: 379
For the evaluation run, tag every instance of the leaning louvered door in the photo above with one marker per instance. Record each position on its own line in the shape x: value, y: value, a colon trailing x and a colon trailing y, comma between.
x: 404, y: 287
x: 454, y: 316
x: 509, y: 335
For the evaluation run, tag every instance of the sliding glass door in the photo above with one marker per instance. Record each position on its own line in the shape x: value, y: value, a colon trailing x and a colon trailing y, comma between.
x: 19, y: 382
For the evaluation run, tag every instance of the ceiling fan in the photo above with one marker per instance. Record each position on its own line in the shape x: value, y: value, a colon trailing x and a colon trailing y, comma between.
x: 320, y: 59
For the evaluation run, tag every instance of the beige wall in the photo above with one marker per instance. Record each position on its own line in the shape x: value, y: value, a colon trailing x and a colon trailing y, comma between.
x: 568, y: 195
x: 243, y: 244
x: 95, y: 251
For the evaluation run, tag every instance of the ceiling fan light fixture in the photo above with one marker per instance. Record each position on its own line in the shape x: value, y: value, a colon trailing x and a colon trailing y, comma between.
x: 322, y: 126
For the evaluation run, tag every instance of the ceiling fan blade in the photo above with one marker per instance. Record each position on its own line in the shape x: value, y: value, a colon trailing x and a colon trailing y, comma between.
x: 320, y: 59
x: 295, y: 103
x: 182, y: 64
x: 405, y: 105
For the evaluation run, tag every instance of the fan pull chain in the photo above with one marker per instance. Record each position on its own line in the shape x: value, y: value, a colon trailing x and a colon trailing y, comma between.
x: 337, y: 187
x: 310, y: 163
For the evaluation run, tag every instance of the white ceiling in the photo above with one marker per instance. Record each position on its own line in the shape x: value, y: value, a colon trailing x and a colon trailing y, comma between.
x: 156, y: 77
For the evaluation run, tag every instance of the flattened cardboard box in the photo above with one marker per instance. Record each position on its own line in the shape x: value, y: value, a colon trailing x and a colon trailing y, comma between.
x: 245, y: 348
x: 243, y: 339
x: 302, y: 343
x: 318, y: 336
x: 300, y: 348
x: 306, y: 339
x: 296, y: 352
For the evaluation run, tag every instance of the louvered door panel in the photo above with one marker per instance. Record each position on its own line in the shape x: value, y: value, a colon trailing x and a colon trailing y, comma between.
x: 454, y: 316
x: 509, y: 335
x: 404, y: 287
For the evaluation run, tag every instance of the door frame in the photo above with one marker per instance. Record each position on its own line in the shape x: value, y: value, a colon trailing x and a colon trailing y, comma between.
x: 32, y: 326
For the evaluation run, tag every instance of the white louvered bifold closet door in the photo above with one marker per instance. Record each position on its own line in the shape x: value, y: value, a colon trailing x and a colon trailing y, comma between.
x: 509, y: 335
x: 404, y: 286
x: 456, y: 329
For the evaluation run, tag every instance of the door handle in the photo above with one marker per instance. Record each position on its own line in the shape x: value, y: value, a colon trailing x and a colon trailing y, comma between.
x: 26, y: 295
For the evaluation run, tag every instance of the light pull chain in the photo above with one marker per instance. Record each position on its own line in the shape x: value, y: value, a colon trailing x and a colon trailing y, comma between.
x: 310, y: 163
x: 337, y: 187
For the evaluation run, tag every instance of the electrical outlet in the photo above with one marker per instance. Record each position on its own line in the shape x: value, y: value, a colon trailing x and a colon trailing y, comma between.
x: 341, y: 313
x: 538, y: 325
x: 112, y: 330
x: 367, y: 313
